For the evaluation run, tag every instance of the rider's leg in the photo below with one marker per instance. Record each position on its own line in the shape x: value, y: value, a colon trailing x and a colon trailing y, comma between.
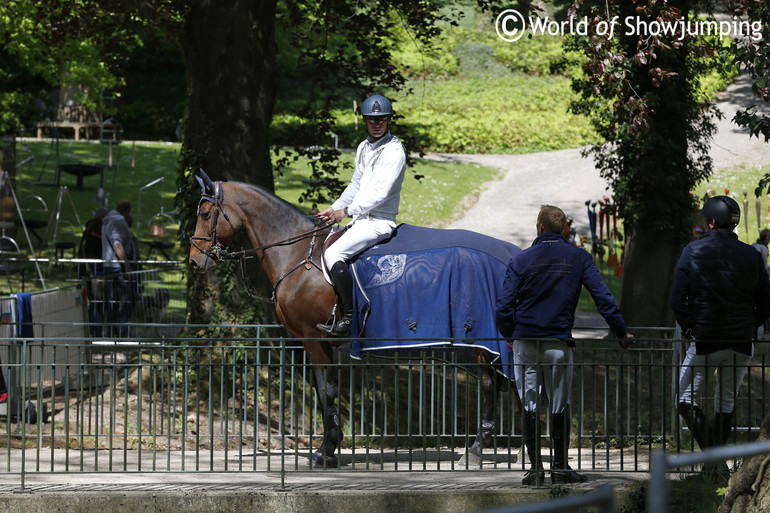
x: 358, y: 236
x: 343, y: 285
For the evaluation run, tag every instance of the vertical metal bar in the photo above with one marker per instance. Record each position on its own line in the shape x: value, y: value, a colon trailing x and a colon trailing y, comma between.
x: 409, y: 412
x: 23, y: 412
x: 454, y: 407
x: 257, y: 370
x: 423, y: 409
x: 657, y: 491
x: 186, y: 399
x: 581, y: 414
x: 362, y: 416
x: 113, y: 387
x: 397, y: 409
x: 269, y: 401
x: 281, y: 413
x: 352, y: 414
x: 198, y: 372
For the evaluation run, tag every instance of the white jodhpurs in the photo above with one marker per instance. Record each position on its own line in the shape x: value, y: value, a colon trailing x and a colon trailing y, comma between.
x: 725, y: 369
x: 546, y: 363
x: 359, y: 235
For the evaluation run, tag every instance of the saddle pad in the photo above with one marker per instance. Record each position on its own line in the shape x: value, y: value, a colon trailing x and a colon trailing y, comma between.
x: 435, y: 288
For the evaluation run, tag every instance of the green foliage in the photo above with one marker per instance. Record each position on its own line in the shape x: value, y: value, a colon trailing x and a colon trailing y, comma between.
x: 754, y: 56
x: 647, y: 103
x: 65, y: 44
x: 151, y: 102
x: 511, y: 114
x: 543, y: 55
x: 477, y: 114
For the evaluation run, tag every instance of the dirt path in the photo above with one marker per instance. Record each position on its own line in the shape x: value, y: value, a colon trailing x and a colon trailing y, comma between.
x: 507, y: 208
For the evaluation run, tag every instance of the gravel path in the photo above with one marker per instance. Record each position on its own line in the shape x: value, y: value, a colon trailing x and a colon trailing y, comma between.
x: 507, y: 208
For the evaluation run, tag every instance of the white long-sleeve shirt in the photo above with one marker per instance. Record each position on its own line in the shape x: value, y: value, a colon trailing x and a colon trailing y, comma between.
x: 375, y: 189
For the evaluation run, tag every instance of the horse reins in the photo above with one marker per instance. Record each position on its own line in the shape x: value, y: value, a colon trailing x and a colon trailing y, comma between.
x: 217, y: 251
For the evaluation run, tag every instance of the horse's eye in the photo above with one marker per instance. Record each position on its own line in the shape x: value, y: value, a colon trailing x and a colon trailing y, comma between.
x: 205, y: 215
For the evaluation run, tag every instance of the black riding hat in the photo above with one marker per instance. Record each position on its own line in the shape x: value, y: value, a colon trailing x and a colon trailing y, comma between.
x: 722, y: 209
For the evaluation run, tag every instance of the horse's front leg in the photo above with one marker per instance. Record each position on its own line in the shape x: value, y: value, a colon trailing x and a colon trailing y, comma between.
x: 326, y: 389
x: 486, y: 429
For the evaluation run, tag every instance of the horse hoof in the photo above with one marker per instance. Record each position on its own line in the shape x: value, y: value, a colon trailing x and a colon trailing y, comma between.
x: 470, y: 459
x: 320, y: 460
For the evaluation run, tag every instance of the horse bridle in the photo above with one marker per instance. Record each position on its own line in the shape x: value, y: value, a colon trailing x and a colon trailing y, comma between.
x: 216, y: 251
x: 216, y: 198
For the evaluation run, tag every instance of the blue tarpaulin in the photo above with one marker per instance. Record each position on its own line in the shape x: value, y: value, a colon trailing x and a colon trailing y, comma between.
x: 428, y: 288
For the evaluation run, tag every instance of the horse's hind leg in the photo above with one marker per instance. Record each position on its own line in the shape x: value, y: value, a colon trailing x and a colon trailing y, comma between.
x: 326, y: 389
x: 486, y: 429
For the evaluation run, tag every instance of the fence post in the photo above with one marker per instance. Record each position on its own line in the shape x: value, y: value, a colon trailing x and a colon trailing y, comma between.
x: 657, y: 490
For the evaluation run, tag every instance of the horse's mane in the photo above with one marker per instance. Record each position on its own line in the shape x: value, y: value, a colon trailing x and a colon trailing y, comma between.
x: 271, y: 198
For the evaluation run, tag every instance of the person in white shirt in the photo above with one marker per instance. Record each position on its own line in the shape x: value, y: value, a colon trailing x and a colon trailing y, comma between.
x: 371, y: 199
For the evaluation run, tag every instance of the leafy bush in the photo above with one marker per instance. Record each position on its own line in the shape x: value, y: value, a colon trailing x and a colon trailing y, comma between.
x: 478, y: 58
x: 511, y: 114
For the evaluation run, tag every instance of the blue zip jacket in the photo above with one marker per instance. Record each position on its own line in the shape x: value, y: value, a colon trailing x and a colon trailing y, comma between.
x: 541, y: 290
x: 721, y: 292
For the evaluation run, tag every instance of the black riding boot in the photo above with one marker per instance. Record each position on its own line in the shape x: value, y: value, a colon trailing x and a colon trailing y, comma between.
x: 721, y: 427
x: 535, y: 475
x: 719, y: 433
x: 560, y: 470
x: 696, y: 423
x: 343, y: 286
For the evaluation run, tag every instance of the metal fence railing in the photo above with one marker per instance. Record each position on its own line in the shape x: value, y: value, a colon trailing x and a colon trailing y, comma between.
x: 658, y: 490
x: 220, y: 403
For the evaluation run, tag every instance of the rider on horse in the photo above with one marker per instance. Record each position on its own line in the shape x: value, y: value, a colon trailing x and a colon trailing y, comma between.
x: 371, y: 199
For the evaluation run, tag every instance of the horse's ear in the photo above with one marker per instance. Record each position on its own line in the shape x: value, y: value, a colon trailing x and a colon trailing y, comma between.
x: 207, y: 186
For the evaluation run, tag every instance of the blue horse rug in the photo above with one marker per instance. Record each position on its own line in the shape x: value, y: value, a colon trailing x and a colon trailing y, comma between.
x: 429, y: 288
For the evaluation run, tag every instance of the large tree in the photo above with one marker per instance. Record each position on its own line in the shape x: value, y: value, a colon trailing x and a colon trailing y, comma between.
x: 749, y: 489
x: 642, y: 92
x: 338, y: 47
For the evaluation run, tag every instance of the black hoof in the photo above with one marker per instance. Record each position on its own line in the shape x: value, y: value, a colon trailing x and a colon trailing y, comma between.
x: 320, y: 460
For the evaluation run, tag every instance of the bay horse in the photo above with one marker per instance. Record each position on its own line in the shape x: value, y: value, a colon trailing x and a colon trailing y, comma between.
x: 288, y: 243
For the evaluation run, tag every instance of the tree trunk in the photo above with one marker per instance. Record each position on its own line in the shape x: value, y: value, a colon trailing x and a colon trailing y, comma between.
x: 749, y: 489
x: 229, y: 49
x: 659, y: 167
x: 8, y: 162
x: 229, y: 52
x: 649, y: 261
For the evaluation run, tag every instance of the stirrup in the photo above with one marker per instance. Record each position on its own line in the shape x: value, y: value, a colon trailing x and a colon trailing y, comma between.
x: 339, y: 328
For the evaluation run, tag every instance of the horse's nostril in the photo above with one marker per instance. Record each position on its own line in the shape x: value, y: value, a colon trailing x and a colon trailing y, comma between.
x: 193, y: 263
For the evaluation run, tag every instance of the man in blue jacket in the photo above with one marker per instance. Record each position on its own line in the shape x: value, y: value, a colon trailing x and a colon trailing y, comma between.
x: 536, y: 309
x: 721, y: 294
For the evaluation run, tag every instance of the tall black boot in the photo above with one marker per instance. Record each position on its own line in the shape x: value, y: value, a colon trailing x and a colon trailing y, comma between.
x: 535, y: 475
x: 560, y: 431
x: 343, y: 286
x: 721, y: 427
x: 696, y: 423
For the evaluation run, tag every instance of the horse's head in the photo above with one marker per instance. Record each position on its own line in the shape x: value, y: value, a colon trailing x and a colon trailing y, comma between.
x: 213, y: 228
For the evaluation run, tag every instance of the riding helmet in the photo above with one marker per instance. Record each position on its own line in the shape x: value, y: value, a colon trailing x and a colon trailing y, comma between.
x: 723, y: 210
x: 376, y: 105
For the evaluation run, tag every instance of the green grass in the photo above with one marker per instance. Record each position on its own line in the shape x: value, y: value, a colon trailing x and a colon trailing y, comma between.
x: 134, y: 166
x: 432, y: 201
x: 736, y: 180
